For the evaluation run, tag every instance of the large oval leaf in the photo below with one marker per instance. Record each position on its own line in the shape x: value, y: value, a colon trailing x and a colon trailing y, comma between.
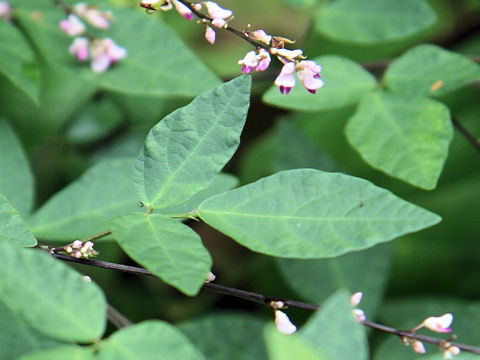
x: 50, y: 296
x: 168, y: 248
x: 405, y: 137
x: 184, y: 153
x: 71, y: 352
x: 346, y: 82
x: 150, y: 340
x: 309, y: 213
x: 85, y: 207
x: 12, y: 227
x: 16, y: 179
x: 373, y: 21
x: 430, y: 70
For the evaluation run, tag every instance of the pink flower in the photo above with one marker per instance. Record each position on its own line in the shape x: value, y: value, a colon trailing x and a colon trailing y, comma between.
x: 93, y: 16
x: 261, y: 36
x: 210, y: 34
x: 418, y: 347
x: 184, y: 11
x: 72, y: 26
x: 80, y: 48
x: 263, y: 60
x: 218, y: 14
x: 5, y: 10
x: 286, y: 81
x: 249, y: 62
x: 283, y: 323
x: 309, y: 75
x: 105, y: 52
x: 439, y: 324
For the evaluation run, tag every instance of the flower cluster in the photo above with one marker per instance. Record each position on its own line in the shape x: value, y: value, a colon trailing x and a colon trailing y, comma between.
x: 103, y: 53
x: 80, y: 249
x: 308, y: 72
x: 5, y: 10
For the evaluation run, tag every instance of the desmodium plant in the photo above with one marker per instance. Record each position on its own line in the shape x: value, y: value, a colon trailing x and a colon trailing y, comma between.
x: 105, y: 86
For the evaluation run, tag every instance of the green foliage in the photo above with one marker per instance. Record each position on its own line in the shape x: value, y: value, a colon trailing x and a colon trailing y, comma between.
x: 185, y: 151
x: 13, y: 229
x: 373, y: 21
x: 153, y: 340
x: 84, y: 207
x: 222, y: 336
x: 334, y: 331
x: 347, y: 84
x: 428, y: 70
x: 16, y: 179
x: 365, y: 271
x: 34, y: 285
x: 406, y: 137
x: 62, y: 352
x: 308, y: 213
x: 169, y: 249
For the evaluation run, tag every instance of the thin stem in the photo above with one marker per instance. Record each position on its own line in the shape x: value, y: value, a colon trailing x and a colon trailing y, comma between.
x: 468, y: 135
x: 117, y: 318
x: 263, y: 299
x: 97, y: 236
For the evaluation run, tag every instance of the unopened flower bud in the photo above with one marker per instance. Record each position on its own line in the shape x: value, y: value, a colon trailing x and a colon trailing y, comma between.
x: 77, y: 244
x: 88, y: 279
x: 418, y: 347
x: 359, y: 315
x: 283, y: 323
x: 77, y: 254
x: 210, y: 277
x: 356, y: 298
x: 5, y: 10
x: 450, y: 352
x: 210, y: 34
x: 72, y: 26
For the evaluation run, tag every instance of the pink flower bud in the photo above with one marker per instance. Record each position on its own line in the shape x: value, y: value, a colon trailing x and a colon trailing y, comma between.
x: 80, y: 48
x: 77, y: 244
x: 450, y: 352
x: 261, y: 36
x: 289, y: 54
x: 418, y: 347
x: 359, y: 315
x: 72, y: 26
x: 217, y: 12
x: 184, y: 11
x: 439, y: 324
x: 219, y: 23
x: 283, y: 323
x: 210, y: 277
x: 210, y: 34
x: 356, y: 298
x: 264, y: 60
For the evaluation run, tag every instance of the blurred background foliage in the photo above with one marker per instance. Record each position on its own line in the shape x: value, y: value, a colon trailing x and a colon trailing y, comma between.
x: 74, y: 121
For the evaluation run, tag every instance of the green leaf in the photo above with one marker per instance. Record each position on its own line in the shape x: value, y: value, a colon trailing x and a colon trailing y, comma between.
x: 220, y: 336
x: 334, y: 330
x: 288, y: 347
x: 348, y: 271
x: 303, y: 4
x: 16, y: 179
x: 428, y: 70
x: 12, y: 227
x: 16, y: 59
x: 169, y: 249
x: 85, y: 207
x: 222, y: 183
x: 50, y: 296
x: 373, y: 21
x: 63, y: 352
x: 308, y: 213
x: 184, y: 153
x: 346, y: 82
x: 17, y: 337
x: 150, y: 340
x: 405, y: 137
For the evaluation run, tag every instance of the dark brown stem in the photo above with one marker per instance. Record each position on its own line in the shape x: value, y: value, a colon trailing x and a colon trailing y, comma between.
x: 468, y: 135
x: 263, y: 299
